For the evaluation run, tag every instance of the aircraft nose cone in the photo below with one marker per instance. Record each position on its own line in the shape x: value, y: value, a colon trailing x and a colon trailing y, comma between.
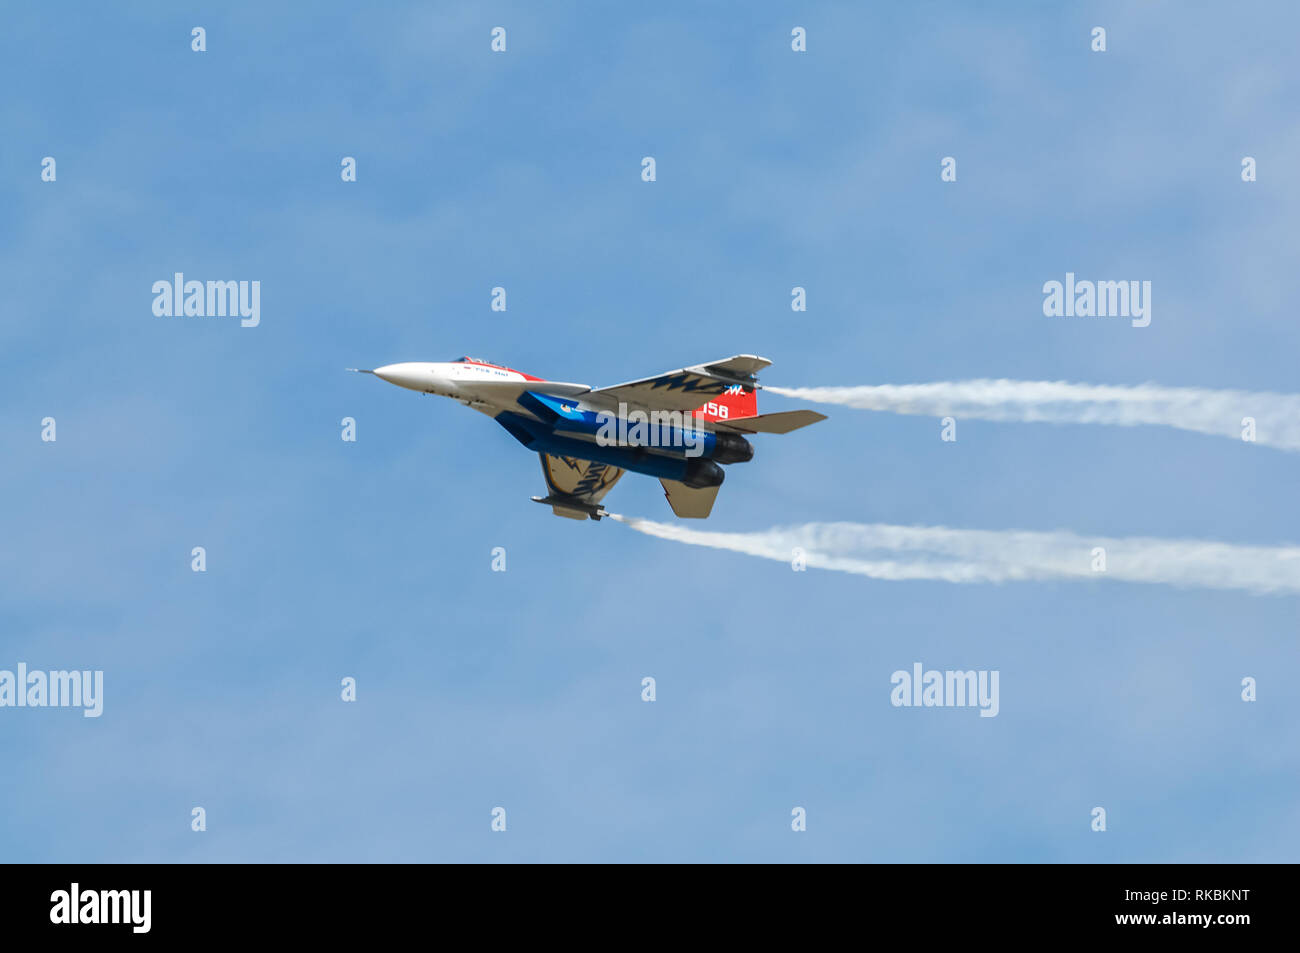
x: 404, y: 375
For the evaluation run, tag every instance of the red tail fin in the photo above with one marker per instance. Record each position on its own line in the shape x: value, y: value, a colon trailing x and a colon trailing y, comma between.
x: 732, y: 404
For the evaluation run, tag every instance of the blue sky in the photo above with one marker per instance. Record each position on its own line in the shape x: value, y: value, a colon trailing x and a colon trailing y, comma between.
x: 521, y: 689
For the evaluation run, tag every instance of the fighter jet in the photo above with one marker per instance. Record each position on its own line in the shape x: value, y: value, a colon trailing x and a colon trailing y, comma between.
x: 681, y: 427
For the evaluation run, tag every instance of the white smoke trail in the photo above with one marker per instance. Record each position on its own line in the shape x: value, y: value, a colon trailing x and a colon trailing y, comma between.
x: 962, y: 555
x: 1219, y: 412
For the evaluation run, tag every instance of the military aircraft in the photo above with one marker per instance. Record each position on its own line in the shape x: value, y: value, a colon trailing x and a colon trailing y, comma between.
x: 681, y: 426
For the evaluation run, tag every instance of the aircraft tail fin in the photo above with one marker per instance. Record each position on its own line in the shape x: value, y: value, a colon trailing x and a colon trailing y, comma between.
x: 733, y: 402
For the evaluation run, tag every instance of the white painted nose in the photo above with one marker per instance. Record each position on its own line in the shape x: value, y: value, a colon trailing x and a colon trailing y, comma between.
x: 412, y: 376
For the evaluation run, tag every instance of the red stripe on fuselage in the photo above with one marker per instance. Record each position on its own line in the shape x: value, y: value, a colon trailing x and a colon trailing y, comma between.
x: 502, y: 367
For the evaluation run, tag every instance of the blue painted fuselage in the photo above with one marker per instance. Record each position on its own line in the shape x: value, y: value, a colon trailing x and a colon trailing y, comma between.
x: 658, y: 448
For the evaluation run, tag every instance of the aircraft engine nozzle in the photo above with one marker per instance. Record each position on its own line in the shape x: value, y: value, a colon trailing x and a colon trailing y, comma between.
x: 702, y: 473
x: 732, y: 448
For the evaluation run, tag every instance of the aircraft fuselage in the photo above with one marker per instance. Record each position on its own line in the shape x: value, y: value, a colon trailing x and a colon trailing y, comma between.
x: 664, y: 444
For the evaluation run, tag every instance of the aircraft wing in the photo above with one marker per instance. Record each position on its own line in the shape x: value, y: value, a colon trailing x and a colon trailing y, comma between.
x: 687, y: 388
x: 575, y: 487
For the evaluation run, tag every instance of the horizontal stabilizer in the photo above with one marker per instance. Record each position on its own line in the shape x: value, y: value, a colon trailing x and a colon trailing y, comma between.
x: 688, y: 502
x: 783, y: 422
